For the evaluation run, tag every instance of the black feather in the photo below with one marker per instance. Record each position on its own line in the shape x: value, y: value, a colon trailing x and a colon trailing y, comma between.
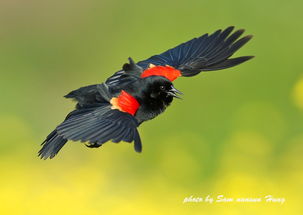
x: 229, y: 63
x: 52, y: 145
x: 206, y: 53
x: 87, y: 95
x: 99, y: 125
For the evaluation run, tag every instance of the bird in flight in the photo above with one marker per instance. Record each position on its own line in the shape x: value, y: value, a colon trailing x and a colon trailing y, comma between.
x: 112, y: 111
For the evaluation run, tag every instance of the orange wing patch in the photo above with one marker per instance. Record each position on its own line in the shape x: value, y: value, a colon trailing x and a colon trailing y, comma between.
x: 125, y: 103
x: 166, y: 71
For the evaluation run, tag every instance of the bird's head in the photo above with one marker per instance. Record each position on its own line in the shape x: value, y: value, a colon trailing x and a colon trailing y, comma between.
x: 160, y: 88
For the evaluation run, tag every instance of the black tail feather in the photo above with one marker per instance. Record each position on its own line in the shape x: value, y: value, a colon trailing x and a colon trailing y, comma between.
x: 52, y: 145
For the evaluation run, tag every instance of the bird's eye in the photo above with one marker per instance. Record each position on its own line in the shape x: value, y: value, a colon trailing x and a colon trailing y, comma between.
x: 162, y: 87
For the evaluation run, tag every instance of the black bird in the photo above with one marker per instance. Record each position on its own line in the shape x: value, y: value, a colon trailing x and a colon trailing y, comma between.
x: 112, y: 111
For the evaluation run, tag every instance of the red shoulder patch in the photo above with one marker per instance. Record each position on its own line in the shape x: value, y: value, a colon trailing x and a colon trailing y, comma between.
x: 125, y: 103
x: 166, y: 71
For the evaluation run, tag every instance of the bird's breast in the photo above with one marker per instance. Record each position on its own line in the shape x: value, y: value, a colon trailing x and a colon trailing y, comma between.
x: 149, y: 110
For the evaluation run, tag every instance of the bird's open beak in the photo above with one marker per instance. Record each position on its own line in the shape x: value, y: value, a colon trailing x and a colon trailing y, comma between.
x: 174, y: 92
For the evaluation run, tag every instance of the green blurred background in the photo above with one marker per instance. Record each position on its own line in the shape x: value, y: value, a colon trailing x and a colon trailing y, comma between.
x: 238, y: 132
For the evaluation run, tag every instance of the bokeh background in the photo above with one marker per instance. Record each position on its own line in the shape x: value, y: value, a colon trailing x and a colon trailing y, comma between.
x: 238, y: 132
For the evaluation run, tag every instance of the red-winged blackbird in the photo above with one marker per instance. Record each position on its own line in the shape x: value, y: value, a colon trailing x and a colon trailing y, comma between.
x: 140, y: 91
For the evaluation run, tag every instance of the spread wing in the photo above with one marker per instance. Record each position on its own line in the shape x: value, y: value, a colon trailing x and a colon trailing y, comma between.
x: 205, y: 53
x: 99, y: 124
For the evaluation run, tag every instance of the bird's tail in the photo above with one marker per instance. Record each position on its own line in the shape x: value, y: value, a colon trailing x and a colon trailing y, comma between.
x: 51, y: 145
